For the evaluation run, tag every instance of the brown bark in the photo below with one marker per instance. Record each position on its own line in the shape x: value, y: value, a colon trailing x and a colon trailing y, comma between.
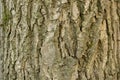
x: 60, y: 39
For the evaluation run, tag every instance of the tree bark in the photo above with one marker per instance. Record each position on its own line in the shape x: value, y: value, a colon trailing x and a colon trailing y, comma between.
x: 59, y: 39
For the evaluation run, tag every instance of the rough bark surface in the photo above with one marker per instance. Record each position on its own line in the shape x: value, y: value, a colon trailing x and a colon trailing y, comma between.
x: 59, y: 39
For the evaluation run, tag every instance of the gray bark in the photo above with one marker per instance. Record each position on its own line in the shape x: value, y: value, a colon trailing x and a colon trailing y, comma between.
x: 59, y: 39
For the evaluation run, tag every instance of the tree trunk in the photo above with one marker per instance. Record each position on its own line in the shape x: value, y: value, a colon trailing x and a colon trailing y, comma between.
x: 59, y: 39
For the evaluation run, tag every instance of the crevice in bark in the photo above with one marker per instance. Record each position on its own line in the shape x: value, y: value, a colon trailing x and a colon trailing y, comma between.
x: 60, y: 39
x: 20, y: 15
x: 29, y: 14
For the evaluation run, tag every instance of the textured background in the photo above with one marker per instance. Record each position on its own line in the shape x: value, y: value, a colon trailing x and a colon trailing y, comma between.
x: 60, y: 40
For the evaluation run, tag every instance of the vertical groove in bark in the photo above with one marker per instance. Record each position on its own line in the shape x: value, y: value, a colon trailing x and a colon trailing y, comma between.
x: 60, y: 39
